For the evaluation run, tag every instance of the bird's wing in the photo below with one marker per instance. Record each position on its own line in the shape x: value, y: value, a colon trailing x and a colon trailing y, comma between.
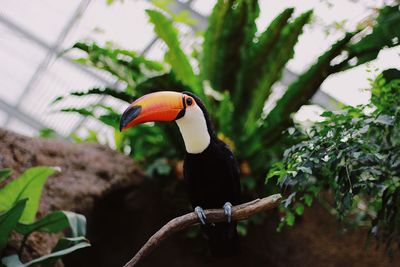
x: 234, y: 174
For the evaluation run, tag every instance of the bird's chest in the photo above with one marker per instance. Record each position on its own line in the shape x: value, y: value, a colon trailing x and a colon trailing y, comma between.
x: 209, y: 179
x: 206, y: 171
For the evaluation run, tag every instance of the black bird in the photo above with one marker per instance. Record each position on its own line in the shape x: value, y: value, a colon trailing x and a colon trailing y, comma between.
x: 210, y: 169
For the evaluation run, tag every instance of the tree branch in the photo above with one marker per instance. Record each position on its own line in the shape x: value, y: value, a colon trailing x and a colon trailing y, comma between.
x: 239, y: 212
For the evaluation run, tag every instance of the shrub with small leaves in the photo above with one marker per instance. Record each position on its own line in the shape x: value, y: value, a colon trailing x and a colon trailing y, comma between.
x: 354, y: 155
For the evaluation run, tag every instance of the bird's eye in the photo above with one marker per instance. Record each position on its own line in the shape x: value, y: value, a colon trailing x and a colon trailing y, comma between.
x: 189, y: 101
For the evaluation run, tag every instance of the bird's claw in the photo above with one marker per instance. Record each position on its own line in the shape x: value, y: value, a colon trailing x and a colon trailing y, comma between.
x: 228, y: 211
x: 200, y: 214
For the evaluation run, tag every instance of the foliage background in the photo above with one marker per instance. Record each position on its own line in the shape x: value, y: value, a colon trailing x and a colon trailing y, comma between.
x: 233, y: 71
x: 354, y: 156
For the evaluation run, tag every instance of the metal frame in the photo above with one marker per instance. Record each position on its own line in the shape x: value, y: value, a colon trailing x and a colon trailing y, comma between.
x: 20, y: 115
x: 52, y: 51
x: 14, y: 111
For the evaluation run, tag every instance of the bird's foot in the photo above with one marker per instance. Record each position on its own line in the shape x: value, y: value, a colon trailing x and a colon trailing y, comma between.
x: 228, y: 211
x: 200, y: 214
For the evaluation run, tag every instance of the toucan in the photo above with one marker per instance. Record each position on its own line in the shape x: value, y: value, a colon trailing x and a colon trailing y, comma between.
x: 210, y: 169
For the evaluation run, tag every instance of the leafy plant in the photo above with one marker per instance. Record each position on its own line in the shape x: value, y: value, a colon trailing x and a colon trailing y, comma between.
x: 4, y: 173
x: 47, y: 133
x: 19, y: 202
x: 234, y: 75
x: 355, y: 155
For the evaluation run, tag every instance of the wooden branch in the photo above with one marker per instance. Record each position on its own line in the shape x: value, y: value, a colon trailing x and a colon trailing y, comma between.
x: 239, y: 212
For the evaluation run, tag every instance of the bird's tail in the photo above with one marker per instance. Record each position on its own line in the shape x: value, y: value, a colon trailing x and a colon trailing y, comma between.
x: 223, y: 239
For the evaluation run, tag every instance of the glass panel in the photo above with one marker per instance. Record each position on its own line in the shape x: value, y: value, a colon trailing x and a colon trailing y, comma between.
x: 125, y: 24
x: 20, y: 59
x: 3, y: 117
x: 204, y: 7
x: 60, y: 79
x: 44, y: 18
x: 21, y: 128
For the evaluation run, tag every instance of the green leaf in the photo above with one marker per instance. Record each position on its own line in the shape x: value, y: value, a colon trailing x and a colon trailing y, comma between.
x: 126, y: 65
x: 181, y: 17
x: 347, y: 201
x: 256, y: 68
x: 315, y: 190
x: 27, y: 185
x: 273, y: 66
x: 118, y: 140
x: 52, y: 223
x: 299, y: 209
x: 4, y: 173
x: 64, y: 246
x: 77, y: 139
x: 290, y: 218
x: 57, y: 254
x: 385, y: 33
x: 111, y: 119
x: 242, y: 228
x: 384, y: 87
x: 47, y: 133
x: 56, y: 222
x: 82, y: 111
x: 390, y: 75
x: 77, y: 223
x: 92, y: 137
x: 225, y: 115
x: 308, y: 199
x: 162, y: 82
x: 227, y: 42
x: 175, y: 56
x: 326, y: 114
x: 118, y: 94
x: 8, y: 221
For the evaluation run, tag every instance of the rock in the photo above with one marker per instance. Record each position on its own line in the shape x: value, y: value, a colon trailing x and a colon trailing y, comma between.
x: 88, y: 172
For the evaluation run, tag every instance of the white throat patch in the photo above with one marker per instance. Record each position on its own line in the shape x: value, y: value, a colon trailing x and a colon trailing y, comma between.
x: 193, y: 128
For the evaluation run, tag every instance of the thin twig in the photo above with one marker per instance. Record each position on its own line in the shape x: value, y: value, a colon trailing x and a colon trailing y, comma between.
x: 239, y: 212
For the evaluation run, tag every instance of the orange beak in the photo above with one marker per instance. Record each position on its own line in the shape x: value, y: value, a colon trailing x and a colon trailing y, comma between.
x: 159, y: 106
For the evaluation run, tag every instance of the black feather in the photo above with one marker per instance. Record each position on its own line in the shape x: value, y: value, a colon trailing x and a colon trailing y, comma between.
x: 212, y: 178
